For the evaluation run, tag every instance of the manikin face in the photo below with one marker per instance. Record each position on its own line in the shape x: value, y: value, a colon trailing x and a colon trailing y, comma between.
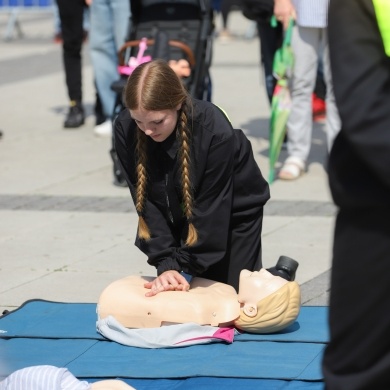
x: 158, y: 125
x: 255, y: 286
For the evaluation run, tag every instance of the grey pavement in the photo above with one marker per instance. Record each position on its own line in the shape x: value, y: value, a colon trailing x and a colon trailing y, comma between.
x: 66, y: 231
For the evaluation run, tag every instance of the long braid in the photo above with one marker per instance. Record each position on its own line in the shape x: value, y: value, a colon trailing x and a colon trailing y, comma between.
x: 143, y: 229
x: 154, y: 86
x: 184, y: 136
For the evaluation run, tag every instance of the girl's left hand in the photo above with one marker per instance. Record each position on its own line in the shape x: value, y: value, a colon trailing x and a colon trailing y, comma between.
x: 167, y: 281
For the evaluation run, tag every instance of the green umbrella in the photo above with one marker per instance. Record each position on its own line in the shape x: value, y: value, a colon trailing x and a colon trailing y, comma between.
x: 281, y: 100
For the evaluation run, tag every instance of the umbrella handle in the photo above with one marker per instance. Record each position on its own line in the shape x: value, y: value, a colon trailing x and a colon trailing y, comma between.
x: 288, y: 32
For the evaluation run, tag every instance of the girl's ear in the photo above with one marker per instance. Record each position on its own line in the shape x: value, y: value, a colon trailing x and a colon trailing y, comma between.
x: 178, y: 107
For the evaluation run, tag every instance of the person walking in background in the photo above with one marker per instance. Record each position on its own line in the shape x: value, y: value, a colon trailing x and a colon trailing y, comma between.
x: 108, y: 31
x: 71, y: 17
x: 309, y: 43
x: 226, y: 5
x: 358, y: 354
x: 271, y: 38
x: 57, y: 23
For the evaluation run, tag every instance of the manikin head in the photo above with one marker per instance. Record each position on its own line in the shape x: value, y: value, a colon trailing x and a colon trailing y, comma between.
x: 268, y: 303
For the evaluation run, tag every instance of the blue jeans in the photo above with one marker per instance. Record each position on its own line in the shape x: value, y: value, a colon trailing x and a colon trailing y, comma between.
x: 108, y: 31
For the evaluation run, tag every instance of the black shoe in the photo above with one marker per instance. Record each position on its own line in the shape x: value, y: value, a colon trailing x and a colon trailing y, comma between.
x: 286, y: 268
x: 75, y: 117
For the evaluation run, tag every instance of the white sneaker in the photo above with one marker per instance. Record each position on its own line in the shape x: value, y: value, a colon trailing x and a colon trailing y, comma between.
x: 104, y: 129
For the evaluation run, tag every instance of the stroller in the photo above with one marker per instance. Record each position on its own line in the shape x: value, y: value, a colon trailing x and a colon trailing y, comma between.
x: 172, y: 30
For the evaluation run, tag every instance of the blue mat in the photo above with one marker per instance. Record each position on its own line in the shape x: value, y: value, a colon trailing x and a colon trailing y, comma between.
x: 203, y: 383
x: 64, y: 335
x: 44, y: 319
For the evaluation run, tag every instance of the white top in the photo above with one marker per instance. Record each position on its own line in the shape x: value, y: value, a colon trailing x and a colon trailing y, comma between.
x: 312, y: 13
x: 43, y: 378
x: 167, y: 336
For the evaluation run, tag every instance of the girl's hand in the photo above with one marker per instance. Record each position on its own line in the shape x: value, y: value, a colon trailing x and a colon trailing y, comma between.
x: 167, y: 281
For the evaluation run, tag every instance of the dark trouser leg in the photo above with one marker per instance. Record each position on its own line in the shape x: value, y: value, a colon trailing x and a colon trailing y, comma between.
x: 71, y: 16
x: 245, y: 248
x: 225, y: 9
x: 270, y: 40
x: 244, y: 253
x: 98, y: 109
x: 358, y: 355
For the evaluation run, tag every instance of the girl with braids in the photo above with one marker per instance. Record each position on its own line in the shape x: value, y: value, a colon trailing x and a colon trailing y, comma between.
x: 197, y: 189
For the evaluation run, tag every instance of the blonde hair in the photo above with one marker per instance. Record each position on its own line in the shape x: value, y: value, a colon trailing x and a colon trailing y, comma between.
x: 154, y: 86
x: 275, y: 312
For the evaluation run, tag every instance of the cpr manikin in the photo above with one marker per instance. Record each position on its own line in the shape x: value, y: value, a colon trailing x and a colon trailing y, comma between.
x: 265, y: 303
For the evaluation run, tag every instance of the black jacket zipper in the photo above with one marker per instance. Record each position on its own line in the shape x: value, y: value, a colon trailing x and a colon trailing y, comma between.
x: 170, y: 216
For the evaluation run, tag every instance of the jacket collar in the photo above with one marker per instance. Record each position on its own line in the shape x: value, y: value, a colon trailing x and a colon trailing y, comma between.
x: 169, y: 146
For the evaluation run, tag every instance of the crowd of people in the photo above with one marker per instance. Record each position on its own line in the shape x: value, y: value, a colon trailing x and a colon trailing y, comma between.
x: 106, y: 24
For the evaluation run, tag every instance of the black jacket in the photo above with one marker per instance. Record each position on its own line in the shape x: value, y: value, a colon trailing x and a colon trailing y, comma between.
x: 359, y: 165
x: 228, y: 190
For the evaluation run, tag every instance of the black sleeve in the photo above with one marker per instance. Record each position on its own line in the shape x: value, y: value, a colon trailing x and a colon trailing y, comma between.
x: 124, y: 146
x: 213, y: 205
x: 361, y: 78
